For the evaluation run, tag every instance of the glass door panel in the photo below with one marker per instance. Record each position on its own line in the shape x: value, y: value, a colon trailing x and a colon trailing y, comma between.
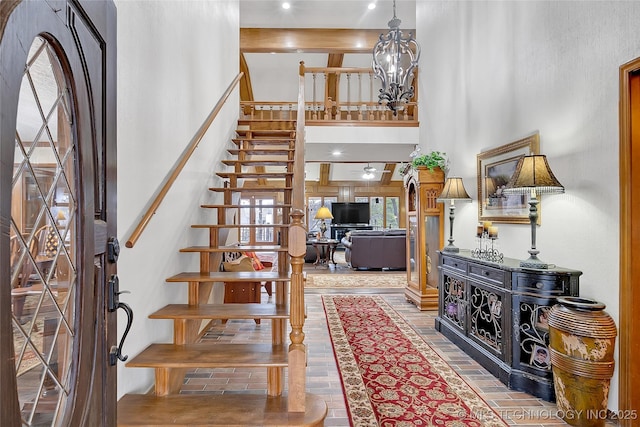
x: 43, y: 240
x: 264, y: 215
x: 257, y: 211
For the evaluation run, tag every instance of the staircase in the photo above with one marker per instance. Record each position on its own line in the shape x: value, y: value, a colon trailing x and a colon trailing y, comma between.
x: 257, y: 145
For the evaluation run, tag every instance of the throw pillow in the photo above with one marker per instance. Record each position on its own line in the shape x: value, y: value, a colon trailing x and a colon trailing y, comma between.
x: 243, y: 263
x: 257, y: 264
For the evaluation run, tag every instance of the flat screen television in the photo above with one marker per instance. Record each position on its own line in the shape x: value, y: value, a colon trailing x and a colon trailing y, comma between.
x: 350, y: 213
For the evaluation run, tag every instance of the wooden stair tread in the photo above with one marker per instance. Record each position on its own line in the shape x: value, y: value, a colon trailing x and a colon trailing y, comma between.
x: 256, y: 175
x: 254, y: 162
x: 229, y: 410
x: 250, y: 189
x: 222, y: 311
x: 262, y: 151
x: 265, y: 141
x: 237, y: 248
x: 246, y: 206
x: 211, y: 355
x: 248, y: 121
x: 231, y: 276
x: 265, y: 131
x: 240, y: 225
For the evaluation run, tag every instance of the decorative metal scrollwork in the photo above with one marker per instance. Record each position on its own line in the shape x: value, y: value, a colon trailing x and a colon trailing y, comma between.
x: 534, y: 335
x: 486, y: 250
x: 486, y: 317
x: 454, y: 305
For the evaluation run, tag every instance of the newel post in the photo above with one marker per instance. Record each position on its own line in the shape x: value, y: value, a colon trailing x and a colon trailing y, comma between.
x: 297, y: 348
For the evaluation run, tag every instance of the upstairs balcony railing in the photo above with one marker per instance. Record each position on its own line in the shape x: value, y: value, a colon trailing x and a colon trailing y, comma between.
x: 335, y: 96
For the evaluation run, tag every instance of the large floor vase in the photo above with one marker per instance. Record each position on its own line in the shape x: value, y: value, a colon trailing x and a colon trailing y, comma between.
x: 581, y: 339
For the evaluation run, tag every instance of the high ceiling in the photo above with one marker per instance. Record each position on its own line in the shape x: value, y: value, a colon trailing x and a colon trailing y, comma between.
x: 327, y: 14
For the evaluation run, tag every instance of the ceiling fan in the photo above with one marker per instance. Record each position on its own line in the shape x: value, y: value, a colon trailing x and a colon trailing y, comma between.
x: 371, y: 169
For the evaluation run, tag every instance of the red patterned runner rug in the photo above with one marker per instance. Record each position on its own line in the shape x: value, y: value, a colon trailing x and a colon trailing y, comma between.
x: 391, y: 376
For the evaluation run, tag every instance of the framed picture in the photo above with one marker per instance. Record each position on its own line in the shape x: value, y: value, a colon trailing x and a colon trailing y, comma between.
x: 540, y: 357
x: 495, y: 168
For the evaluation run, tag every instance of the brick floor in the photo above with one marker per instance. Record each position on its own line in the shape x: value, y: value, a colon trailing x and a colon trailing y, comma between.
x: 516, y: 408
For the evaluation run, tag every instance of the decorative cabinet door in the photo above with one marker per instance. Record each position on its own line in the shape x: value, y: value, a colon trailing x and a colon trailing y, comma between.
x: 489, y: 310
x: 425, y: 236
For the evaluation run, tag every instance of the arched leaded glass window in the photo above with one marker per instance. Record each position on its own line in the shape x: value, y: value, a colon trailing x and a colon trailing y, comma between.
x: 43, y: 238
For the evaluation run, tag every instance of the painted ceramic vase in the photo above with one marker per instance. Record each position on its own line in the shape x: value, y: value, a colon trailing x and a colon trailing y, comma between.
x: 581, y: 340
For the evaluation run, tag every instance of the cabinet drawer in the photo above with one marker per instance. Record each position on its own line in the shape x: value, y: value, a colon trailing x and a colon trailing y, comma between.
x: 489, y: 274
x: 542, y: 284
x: 455, y: 264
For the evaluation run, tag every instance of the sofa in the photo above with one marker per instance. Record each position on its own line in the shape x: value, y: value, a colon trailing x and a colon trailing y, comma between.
x: 311, y: 254
x: 376, y: 249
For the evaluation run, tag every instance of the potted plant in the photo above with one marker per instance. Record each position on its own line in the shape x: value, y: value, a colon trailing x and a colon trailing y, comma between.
x: 431, y: 161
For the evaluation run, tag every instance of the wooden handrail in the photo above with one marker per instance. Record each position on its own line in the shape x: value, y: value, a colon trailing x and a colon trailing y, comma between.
x: 135, y: 235
x: 341, y: 70
x: 297, y: 195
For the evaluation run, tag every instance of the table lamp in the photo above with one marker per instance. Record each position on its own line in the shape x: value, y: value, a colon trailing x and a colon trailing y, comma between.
x: 453, y: 190
x: 323, y: 213
x: 533, y: 175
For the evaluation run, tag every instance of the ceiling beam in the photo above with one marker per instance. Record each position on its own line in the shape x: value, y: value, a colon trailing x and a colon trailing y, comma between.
x: 325, y: 169
x: 261, y: 169
x: 385, y: 179
x: 309, y: 40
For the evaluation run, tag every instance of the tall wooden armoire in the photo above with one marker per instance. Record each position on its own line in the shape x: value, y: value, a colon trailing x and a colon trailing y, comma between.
x: 425, y: 235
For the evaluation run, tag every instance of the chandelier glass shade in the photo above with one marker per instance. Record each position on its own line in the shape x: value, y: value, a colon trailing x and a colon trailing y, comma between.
x: 395, y: 58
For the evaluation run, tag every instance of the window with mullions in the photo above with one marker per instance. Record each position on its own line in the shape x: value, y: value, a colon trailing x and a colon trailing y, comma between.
x: 257, y: 210
x: 385, y: 211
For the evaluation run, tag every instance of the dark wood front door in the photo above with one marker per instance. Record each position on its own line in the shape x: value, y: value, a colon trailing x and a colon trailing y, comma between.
x: 57, y: 212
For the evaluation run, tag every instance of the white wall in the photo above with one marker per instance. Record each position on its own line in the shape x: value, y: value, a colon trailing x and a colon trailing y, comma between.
x: 174, y: 63
x: 494, y: 72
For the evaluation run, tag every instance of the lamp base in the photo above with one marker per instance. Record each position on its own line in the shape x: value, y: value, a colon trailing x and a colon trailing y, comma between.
x: 451, y: 248
x: 323, y: 229
x: 535, y: 262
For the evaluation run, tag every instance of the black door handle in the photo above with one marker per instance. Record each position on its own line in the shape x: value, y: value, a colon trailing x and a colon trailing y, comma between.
x: 114, y: 304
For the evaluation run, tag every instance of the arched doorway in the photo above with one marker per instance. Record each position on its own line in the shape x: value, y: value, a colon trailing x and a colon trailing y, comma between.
x: 57, y: 212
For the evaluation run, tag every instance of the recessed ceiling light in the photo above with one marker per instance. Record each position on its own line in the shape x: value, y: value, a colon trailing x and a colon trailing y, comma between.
x: 371, y: 6
x: 286, y: 5
x: 336, y: 153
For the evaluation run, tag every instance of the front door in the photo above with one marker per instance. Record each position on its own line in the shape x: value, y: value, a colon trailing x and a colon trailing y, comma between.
x: 57, y: 212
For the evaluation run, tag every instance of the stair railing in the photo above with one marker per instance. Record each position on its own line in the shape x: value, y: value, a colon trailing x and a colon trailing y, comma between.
x: 297, y: 248
x: 193, y: 144
x: 339, y: 96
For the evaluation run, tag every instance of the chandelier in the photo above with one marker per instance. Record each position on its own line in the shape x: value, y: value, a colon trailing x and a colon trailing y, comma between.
x: 394, y: 59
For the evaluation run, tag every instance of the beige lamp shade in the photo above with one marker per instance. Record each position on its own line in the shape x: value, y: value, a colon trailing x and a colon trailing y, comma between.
x: 454, y: 190
x: 533, y: 173
x: 323, y: 213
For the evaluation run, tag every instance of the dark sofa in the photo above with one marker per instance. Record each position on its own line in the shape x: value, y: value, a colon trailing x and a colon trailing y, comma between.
x: 376, y: 249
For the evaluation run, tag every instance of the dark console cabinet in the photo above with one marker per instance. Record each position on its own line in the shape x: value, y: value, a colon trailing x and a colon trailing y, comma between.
x: 497, y: 313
